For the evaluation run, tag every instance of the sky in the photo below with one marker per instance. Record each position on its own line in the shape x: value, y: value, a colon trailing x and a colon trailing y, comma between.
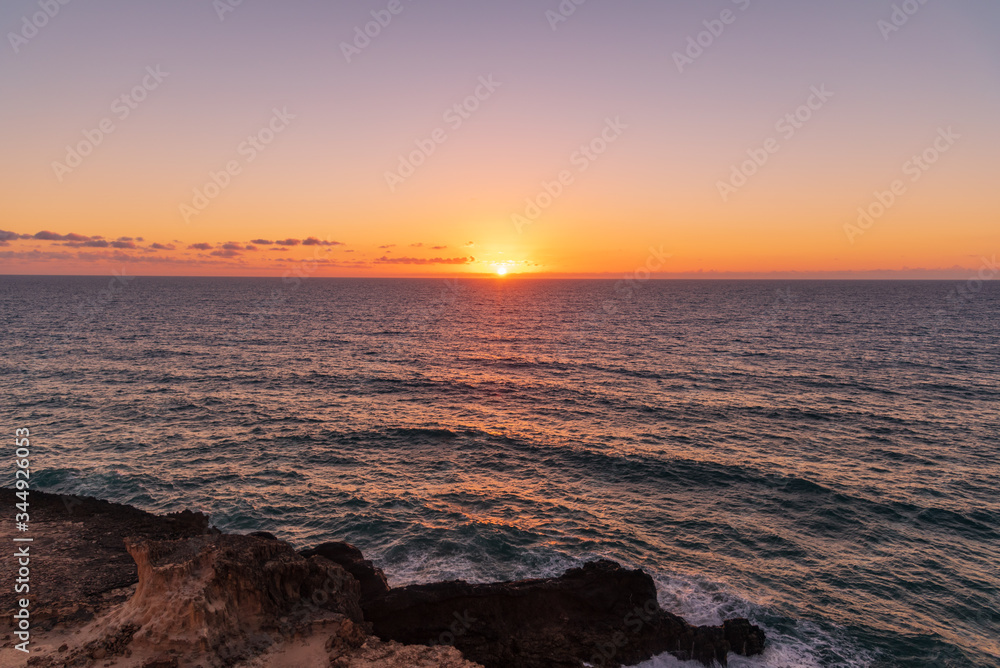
x: 572, y: 138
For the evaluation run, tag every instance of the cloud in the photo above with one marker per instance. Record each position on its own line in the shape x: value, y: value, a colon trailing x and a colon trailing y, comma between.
x: 117, y: 256
x: 232, y: 245
x: 126, y: 239
x: 416, y: 245
x: 469, y: 245
x: 201, y: 246
x: 45, y: 235
x: 387, y: 246
x: 8, y: 236
x: 313, y: 241
x: 91, y: 243
x: 278, y: 250
x: 438, y: 247
x: 250, y: 247
x: 226, y: 252
x: 163, y: 247
x: 262, y: 242
x: 421, y: 260
x: 36, y: 255
x: 354, y: 264
x: 123, y: 244
x: 288, y: 242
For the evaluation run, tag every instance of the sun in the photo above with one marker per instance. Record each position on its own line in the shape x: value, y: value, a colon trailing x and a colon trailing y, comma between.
x: 501, y: 271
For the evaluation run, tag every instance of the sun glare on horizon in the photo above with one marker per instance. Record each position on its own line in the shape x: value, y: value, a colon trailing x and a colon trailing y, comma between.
x: 501, y: 271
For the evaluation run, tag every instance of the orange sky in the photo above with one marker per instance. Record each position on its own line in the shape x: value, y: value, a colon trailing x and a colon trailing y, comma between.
x: 630, y: 156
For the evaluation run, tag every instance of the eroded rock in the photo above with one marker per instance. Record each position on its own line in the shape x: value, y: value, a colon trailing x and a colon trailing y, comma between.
x: 217, y: 600
x: 229, y: 594
x: 372, y: 579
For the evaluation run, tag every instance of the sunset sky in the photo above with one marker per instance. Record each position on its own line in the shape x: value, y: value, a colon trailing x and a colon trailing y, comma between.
x: 468, y: 137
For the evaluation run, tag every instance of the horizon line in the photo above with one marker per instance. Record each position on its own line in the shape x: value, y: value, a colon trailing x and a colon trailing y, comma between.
x: 873, y: 275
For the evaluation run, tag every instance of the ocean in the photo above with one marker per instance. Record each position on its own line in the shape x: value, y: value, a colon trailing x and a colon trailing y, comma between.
x: 819, y: 456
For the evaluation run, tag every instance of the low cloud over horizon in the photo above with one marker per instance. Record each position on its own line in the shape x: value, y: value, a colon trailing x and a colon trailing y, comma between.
x: 255, y: 258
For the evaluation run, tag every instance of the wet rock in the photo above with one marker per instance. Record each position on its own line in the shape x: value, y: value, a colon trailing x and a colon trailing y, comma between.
x: 743, y: 637
x: 601, y: 614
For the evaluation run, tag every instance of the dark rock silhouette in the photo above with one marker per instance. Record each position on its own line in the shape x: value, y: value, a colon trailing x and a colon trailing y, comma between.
x: 372, y: 579
x: 601, y: 614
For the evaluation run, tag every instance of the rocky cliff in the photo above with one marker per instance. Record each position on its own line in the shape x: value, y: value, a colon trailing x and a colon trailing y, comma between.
x: 114, y: 586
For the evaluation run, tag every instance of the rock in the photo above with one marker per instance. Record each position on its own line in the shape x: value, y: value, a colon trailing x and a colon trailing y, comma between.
x: 743, y: 637
x: 225, y: 596
x: 263, y: 534
x: 169, y: 591
x: 372, y: 579
x: 86, y: 568
x: 601, y: 614
x: 378, y: 654
x: 347, y: 637
x: 189, y: 522
x: 162, y: 662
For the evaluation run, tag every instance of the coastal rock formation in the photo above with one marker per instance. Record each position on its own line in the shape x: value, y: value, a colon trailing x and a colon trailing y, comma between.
x: 228, y: 600
x: 126, y: 589
x: 371, y: 578
x: 601, y: 614
x: 220, y: 599
x: 224, y: 594
x: 83, y: 566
